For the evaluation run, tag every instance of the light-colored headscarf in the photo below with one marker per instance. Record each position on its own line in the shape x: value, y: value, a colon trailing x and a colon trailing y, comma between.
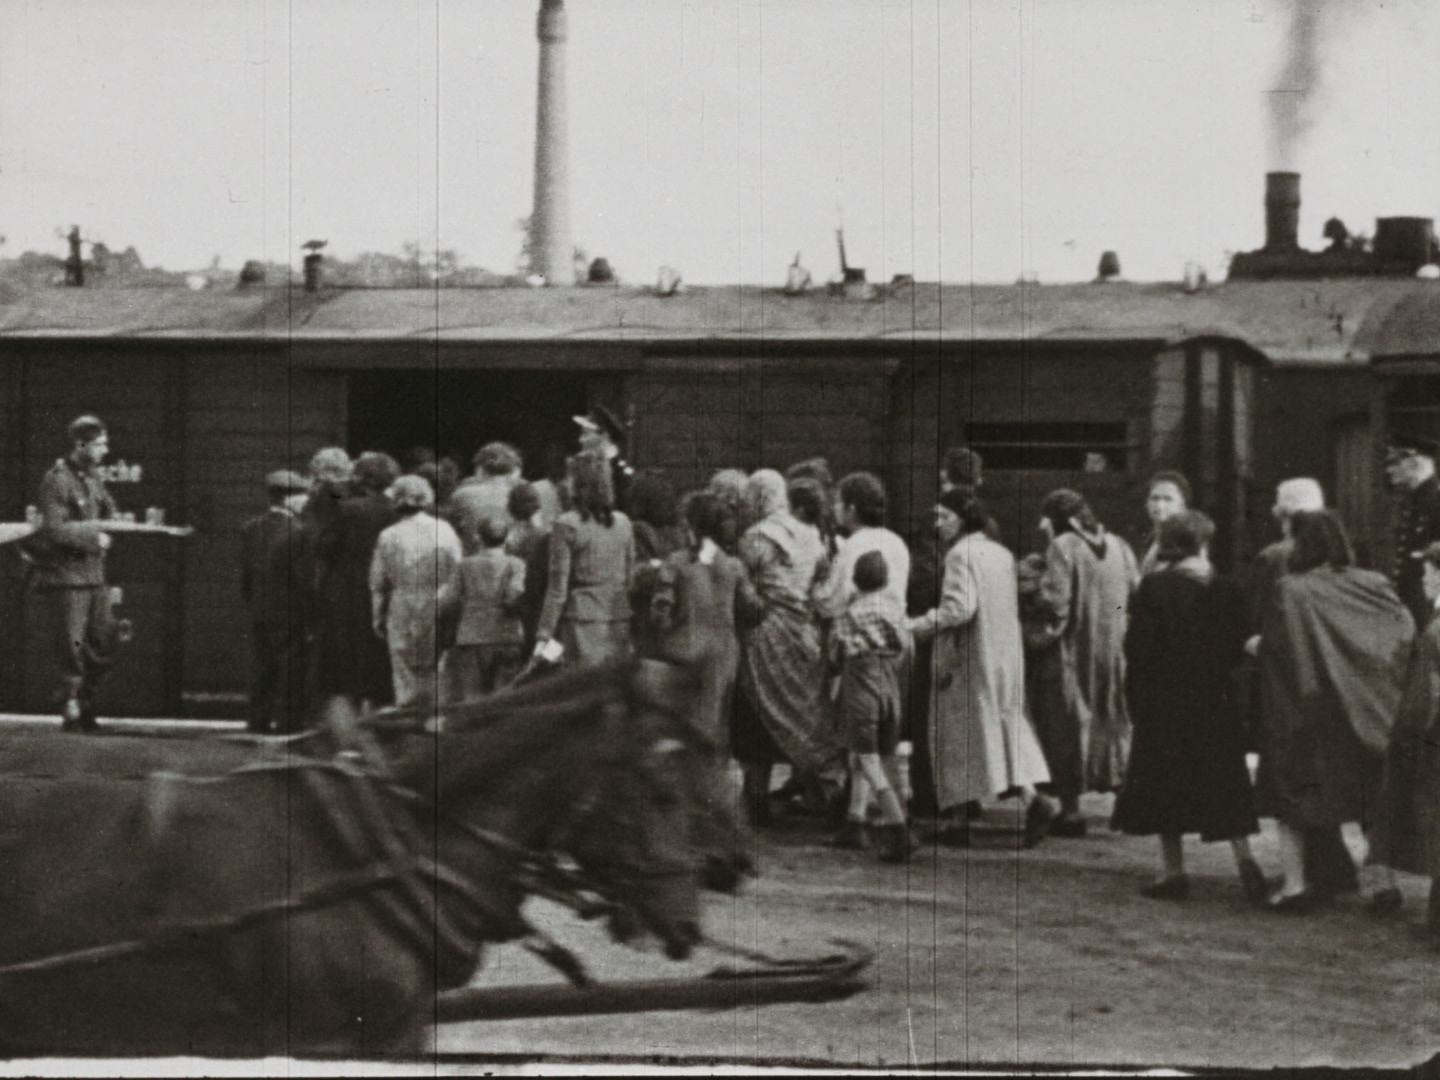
x: 332, y: 465
x: 411, y: 492
x: 729, y: 485
x: 767, y: 512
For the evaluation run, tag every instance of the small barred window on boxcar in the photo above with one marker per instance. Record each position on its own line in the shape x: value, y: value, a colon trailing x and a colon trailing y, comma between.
x: 1051, y: 446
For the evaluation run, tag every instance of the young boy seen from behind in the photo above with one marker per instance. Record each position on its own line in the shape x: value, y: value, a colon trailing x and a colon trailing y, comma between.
x: 868, y: 646
x: 490, y: 642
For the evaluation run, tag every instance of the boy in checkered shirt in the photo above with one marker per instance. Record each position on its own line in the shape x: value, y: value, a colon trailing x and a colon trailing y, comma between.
x: 867, y: 645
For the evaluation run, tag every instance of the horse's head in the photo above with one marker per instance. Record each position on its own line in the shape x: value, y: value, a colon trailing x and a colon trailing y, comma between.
x: 583, y: 763
x: 634, y: 835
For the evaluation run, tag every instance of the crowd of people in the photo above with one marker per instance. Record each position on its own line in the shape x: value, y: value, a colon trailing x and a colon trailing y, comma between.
x: 828, y: 644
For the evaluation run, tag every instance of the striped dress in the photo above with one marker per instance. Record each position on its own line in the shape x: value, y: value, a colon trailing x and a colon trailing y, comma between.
x: 782, y: 670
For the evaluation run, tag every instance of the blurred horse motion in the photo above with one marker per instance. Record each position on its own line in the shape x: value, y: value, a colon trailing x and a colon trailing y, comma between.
x: 268, y: 896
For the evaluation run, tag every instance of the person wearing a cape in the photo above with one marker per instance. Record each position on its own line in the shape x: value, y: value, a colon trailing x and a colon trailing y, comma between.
x: 1329, y: 867
x: 1334, y: 647
x: 1408, y: 835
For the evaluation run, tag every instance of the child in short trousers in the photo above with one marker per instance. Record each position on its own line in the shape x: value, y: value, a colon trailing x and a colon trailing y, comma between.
x: 868, y: 646
x: 490, y: 641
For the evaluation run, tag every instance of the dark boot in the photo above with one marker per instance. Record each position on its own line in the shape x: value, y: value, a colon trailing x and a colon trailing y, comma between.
x: 853, y: 836
x: 757, y: 793
x: 1328, y: 866
x: 1039, y: 816
x: 897, y: 843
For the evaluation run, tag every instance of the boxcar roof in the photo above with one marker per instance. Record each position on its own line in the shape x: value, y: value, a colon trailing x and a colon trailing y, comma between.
x: 1334, y: 322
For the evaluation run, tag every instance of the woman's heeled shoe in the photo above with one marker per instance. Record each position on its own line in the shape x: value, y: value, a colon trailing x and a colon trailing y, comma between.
x: 1170, y: 888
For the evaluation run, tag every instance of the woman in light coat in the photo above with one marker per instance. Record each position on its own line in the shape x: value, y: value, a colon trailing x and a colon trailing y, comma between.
x: 412, y: 576
x: 981, y: 742
x: 1090, y: 575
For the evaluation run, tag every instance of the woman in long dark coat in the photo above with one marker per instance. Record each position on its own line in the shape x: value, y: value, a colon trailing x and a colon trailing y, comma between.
x: 349, y: 658
x: 1187, y: 771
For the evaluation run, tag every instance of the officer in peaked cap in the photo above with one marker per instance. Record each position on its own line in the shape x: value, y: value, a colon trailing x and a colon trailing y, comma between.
x: 602, y: 432
x: 277, y: 593
x: 1410, y: 471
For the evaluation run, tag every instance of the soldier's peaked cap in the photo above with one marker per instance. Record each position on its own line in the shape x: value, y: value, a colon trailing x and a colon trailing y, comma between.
x: 84, y: 429
x: 1405, y: 445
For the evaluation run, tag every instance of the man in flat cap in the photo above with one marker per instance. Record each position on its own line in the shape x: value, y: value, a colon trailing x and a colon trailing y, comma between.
x: 1410, y: 470
x: 276, y: 588
x: 68, y: 571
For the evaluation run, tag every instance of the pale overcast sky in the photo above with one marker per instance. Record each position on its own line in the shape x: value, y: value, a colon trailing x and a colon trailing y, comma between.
x: 960, y: 139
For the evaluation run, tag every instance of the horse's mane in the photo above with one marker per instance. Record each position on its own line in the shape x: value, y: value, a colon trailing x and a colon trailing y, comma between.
x: 571, y: 690
x: 457, y: 761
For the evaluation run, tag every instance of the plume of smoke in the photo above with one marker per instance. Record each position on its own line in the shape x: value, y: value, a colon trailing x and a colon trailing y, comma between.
x: 1295, y: 97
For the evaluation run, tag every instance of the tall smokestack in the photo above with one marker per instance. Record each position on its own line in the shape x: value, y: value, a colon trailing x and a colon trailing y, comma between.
x: 1282, y: 211
x: 552, y: 252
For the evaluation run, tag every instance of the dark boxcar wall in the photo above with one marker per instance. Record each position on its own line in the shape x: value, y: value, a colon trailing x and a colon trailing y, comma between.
x: 13, y: 498
x: 692, y: 423
x: 249, y: 412
x: 937, y: 395
x: 1315, y: 422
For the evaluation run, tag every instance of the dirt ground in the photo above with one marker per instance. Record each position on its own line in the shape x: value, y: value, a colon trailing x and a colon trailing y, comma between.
x: 992, y: 956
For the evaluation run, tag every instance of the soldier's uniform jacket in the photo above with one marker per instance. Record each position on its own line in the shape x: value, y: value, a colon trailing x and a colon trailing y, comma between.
x: 65, y: 554
x: 1417, y: 528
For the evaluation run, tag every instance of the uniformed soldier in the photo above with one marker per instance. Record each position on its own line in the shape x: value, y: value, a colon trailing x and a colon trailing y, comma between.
x: 1410, y: 470
x: 277, y: 589
x: 68, y: 572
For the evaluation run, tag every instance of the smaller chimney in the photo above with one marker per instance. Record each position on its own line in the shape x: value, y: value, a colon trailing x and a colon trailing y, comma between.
x: 313, y: 261
x: 74, y: 265
x: 1282, y: 211
x: 1109, y: 268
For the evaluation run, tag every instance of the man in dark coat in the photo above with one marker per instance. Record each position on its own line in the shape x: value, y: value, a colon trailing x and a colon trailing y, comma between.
x: 349, y: 658
x: 67, y: 555
x: 277, y: 592
x: 1410, y: 470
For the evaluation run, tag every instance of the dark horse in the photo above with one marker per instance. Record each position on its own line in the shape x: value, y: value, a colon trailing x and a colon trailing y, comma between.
x: 202, y: 897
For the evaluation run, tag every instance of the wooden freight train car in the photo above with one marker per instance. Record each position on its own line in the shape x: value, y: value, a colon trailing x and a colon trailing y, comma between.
x: 1086, y: 386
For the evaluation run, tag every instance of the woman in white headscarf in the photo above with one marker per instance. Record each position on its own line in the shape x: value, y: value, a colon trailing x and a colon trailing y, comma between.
x: 781, y: 708
x: 412, y: 575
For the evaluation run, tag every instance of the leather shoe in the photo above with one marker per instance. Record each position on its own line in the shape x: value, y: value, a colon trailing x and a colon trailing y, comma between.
x: 954, y: 834
x: 1068, y: 827
x: 1039, y: 816
x: 896, y: 843
x: 1170, y: 888
x: 853, y: 836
